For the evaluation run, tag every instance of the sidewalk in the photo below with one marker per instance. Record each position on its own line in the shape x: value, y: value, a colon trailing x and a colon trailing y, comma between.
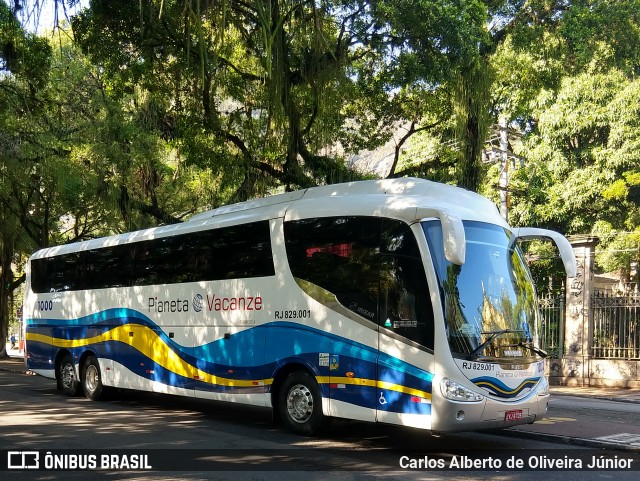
x: 567, y: 430
x: 13, y: 363
x: 608, y: 393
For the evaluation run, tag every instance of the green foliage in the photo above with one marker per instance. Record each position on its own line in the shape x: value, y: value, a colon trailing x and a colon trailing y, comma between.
x: 567, y: 77
x: 583, y: 159
x: 154, y: 109
x: 618, y: 251
x: 251, y: 89
x: 24, y: 55
x: 546, y: 267
x: 591, y: 24
x: 268, y: 86
x: 432, y: 40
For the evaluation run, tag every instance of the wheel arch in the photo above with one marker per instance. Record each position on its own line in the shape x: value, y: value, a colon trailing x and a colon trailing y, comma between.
x: 281, y: 374
x: 60, y: 355
x: 78, y: 362
x: 83, y: 358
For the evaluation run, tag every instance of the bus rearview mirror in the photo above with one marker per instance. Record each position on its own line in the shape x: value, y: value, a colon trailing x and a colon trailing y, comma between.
x: 566, y: 251
x: 453, y: 236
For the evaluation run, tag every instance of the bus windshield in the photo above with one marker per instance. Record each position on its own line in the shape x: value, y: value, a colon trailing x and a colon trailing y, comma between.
x: 489, y: 302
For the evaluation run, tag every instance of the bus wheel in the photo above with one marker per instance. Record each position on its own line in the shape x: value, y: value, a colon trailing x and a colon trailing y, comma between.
x: 91, y: 380
x: 67, y: 376
x: 300, y: 404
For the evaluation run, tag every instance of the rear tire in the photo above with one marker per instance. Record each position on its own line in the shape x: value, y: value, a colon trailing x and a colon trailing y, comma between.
x: 300, y: 404
x: 67, y: 378
x: 92, y: 379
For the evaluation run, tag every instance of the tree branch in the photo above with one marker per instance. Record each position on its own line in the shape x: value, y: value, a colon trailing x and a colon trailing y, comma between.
x: 412, y: 130
x: 152, y: 210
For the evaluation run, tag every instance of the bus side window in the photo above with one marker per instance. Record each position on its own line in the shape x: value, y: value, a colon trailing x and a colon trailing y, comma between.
x: 240, y: 251
x: 156, y: 261
x: 39, y: 275
x: 62, y: 273
x: 107, y: 267
x: 340, y: 255
x: 405, y: 303
x: 236, y: 252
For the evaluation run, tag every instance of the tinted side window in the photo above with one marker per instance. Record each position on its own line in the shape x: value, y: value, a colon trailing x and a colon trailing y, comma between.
x: 404, y: 299
x: 397, y: 239
x: 405, y: 302
x: 56, y: 274
x: 94, y: 269
x: 157, y: 261
x: 236, y: 252
x: 340, y: 255
x: 39, y: 275
x: 108, y: 267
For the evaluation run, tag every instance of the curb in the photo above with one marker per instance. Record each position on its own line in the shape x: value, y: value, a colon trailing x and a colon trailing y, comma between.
x: 20, y: 369
x: 598, y: 396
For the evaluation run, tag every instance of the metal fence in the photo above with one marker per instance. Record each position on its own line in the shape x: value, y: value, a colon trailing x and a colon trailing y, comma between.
x: 552, y: 312
x: 616, y: 324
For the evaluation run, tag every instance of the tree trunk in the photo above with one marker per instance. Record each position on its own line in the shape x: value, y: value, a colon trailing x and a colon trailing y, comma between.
x: 471, y: 172
x: 474, y: 119
x: 6, y: 282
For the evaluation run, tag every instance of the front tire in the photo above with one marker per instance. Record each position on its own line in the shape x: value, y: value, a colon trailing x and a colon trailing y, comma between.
x: 300, y: 404
x: 92, y: 379
x: 67, y: 378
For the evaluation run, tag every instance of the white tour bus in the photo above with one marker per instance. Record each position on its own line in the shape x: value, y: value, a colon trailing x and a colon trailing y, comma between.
x: 397, y: 301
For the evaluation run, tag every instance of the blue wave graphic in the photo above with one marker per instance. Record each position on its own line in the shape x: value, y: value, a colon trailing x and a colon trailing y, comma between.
x: 499, y: 389
x: 242, y: 356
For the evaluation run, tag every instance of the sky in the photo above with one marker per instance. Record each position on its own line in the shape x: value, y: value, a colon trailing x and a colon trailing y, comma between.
x: 37, y: 16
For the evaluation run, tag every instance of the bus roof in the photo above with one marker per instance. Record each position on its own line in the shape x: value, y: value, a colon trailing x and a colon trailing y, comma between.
x: 396, y: 194
x: 409, y: 199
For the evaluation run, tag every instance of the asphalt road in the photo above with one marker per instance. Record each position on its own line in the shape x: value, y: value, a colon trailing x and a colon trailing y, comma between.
x: 590, y: 421
x: 602, y: 408
x: 208, y: 440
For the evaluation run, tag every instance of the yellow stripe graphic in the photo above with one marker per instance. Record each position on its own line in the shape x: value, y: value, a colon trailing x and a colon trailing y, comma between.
x: 152, y: 346
x: 147, y: 342
x: 373, y: 383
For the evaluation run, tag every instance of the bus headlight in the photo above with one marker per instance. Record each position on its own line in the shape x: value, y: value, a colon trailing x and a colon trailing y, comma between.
x: 456, y: 392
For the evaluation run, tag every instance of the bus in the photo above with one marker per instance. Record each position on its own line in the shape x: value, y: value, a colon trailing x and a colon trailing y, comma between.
x: 400, y: 301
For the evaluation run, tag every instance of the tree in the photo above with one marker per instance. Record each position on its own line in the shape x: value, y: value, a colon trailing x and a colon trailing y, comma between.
x: 263, y: 94
x: 24, y: 67
x: 261, y: 88
x: 570, y: 85
x: 72, y: 158
x: 452, y: 47
x: 250, y: 89
x: 436, y: 51
x: 582, y: 174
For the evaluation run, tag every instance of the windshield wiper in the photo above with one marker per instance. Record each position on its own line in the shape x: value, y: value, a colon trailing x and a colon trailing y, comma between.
x: 473, y: 355
x: 540, y: 352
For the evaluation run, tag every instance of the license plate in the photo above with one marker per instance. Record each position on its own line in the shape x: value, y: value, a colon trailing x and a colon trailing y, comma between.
x: 513, y: 415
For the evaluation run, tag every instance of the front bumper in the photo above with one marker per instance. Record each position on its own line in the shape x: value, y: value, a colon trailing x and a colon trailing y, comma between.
x: 488, y: 414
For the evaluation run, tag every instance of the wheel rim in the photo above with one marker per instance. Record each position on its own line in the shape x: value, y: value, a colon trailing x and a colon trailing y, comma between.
x: 91, y: 378
x: 300, y: 403
x: 68, y: 375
